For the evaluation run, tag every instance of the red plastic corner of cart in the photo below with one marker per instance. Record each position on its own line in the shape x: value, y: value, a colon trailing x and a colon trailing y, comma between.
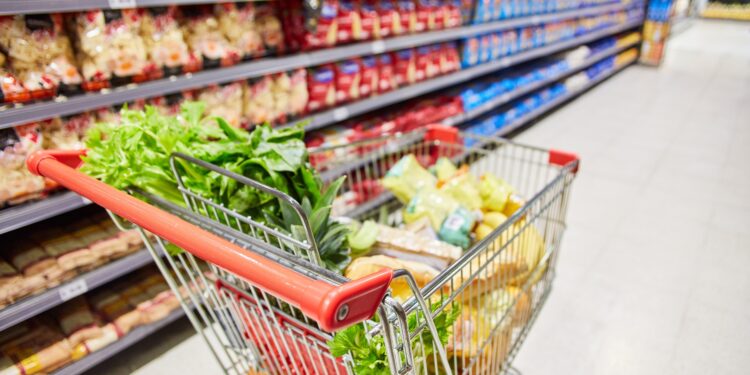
x: 563, y: 158
x: 71, y: 158
x: 437, y: 132
x: 354, y: 301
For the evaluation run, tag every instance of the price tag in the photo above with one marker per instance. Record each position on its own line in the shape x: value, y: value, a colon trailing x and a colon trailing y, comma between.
x: 73, y: 289
x: 121, y: 4
x: 378, y: 46
x: 340, y: 114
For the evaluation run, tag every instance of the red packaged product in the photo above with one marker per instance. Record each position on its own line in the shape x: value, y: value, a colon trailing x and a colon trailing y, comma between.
x: 449, y: 58
x: 407, y: 12
x: 390, y: 19
x: 369, y: 71
x: 322, y: 88
x: 436, y: 58
x: 386, y: 73
x: 452, y: 14
x: 348, y: 78
x: 370, y: 20
x: 349, y: 25
x: 11, y: 89
x: 425, y: 16
x: 326, y: 27
x: 405, y: 67
x: 424, y: 64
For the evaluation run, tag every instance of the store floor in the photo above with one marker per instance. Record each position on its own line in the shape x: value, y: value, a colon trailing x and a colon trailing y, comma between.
x: 652, y: 278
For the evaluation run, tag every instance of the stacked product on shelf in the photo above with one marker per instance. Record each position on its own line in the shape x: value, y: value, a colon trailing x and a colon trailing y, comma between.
x: 58, y: 252
x: 85, y: 325
x: 727, y: 9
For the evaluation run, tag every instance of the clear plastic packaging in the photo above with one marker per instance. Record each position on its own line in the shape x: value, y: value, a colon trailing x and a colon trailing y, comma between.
x: 205, y: 38
x: 168, y: 53
x: 238, y: 23
x: 224, y: 101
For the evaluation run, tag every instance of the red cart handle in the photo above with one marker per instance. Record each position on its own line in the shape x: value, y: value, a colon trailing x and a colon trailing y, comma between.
x: 333, y: 307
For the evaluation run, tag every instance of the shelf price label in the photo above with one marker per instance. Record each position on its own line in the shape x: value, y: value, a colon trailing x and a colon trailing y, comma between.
x: 378, y: 46
x: 121, y: 4
x: 73, y: 289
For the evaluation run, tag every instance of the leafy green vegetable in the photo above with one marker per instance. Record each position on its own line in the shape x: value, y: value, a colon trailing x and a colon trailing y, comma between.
x: 362, y: 240
x: 369, y: 355
x: 136, y: 153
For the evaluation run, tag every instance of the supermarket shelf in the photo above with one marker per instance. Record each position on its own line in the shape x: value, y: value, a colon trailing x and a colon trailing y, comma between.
x: 132, y: 338
x: 515, y: 125
x: 363, y: 106
x: 34, y: 305
x: 55, y: 6
x: 76, y: 104
x: 29, y: 213
x: 508, y: 96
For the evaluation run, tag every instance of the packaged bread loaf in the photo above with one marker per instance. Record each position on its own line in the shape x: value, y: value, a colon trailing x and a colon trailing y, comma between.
x: 17, y: 183
x: 77, y: 322
x: 10, y: 283
x: 70, y: 252
x: 40, y: 350
x: 364, y: 266
x: 108, y: 333
x: 115, y: 308
x: 31, y: 259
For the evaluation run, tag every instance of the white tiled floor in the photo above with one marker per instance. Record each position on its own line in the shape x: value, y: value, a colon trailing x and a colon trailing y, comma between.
x: 653, y: 276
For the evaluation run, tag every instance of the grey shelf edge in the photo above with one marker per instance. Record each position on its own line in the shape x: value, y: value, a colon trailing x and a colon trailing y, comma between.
x: 344, y: 112
x: 132, y: 338
x: 507, y: 97
x: 34, y: 305
x: 81, y: 103
x: 556, y: 102
x: 12, y: 218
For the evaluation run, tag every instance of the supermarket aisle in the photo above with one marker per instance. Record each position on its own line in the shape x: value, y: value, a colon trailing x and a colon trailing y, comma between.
x: 653, y: 275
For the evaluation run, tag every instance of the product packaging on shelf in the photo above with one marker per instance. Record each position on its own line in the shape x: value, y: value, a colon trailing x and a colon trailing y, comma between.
x: 268, y: 23
x: 321, y: 84
x: 17, y: 183
x: 224, y: 101
x: 405, y: 67
x: 370, y: 20
x: 407, y: 11
x: 39, y: 55
x: 386, y: 73
x: 111, y: 51
x: 258, y: 99
x: 349, y: 22
x: 369, y: 73
x: 317, y: 32
x: 165, y: 42
x: 390, y: 18
x: 348, y: 79
x: 204, y: 36
x: 239, y: 25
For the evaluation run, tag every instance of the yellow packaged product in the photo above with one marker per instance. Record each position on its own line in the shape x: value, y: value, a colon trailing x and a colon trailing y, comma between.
x: 494, y: 192
x: 406, y: 178
x: 464, y: 188
x: 432, y: 204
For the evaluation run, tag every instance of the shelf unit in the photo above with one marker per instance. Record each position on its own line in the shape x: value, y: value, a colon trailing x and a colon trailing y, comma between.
x: 12, y: 218
x: 80, y: 103
x: 88, y: 362
x: 57, y: 6
x: 347, y: 111
x: 34, y: 305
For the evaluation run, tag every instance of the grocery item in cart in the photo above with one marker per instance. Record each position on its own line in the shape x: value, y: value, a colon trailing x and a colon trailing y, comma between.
x: 366, y: 265
x: 110, y: 48
x: 165, y: 41
x: 40, y: 54
x: 205, y: 38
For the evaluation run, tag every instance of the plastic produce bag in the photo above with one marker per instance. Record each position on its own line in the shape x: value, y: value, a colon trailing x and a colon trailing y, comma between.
x: 406, y: 178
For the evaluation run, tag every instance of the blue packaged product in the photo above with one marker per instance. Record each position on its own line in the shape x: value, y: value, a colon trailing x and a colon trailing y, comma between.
x: 471, y: 99
x: 470, y: 52
x: 497, y: 9
x: 496, y: 46
x: 506, y: 9
x: 485, y: 47
x: 498, y: 121
x: 482, y: 11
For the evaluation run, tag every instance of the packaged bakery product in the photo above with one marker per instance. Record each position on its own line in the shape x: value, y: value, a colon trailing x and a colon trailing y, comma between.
x: 322, y: 86
x: 407, y: 13
x: 411, y: 246
x: 39, y: 349
x: 386, y: 73
x: 205, y: 38
x: 268, y: 24
x: 238, y: 24
x: 40, y: 54
x: 108, y: 333
x: 224, y: 101
x: 405, y: 67
x: 259, y: 101
x: 30, y: 259
x: 116, y: 309
x: 10, y: 283
x: 390, y: 18
x: 349, y: 24
x: 407, y: 177
x: 110, y: 48
x: 298, y: 96
x: 11, y: 88
x: 17, y: 183
x: 66, y: 133
x: 367, y: 265
x: 348, y: 78
x: 369, y: 72
x: 71, y: 253
x: 311, y: 31
x: 167, y: 50
x: 427, y: 66
x: 77, y: 322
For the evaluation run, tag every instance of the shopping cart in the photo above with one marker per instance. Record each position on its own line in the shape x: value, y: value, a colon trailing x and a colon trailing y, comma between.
x: 264, y: 304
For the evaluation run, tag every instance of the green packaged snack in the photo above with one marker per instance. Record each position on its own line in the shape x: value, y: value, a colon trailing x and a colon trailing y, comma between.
x: 456, y: 228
